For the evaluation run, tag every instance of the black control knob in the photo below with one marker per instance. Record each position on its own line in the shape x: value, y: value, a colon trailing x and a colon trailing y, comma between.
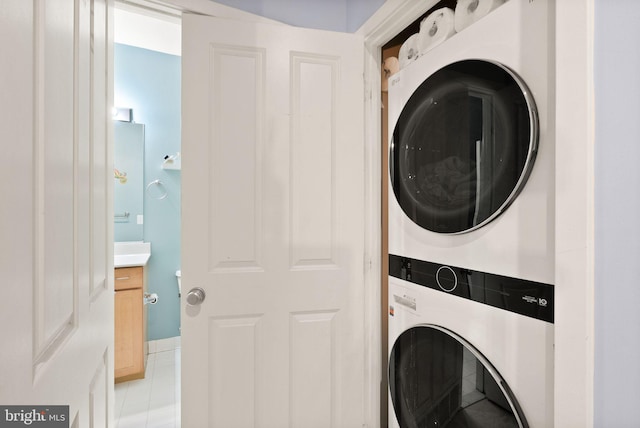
x: 446, y: 279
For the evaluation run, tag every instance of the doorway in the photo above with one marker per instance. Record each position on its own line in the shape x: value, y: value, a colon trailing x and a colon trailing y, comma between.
x: 147, y: 66
x: 376, y: 39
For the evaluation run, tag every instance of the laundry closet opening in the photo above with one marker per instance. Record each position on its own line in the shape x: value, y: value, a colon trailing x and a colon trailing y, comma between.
x: 147, y: 231
x: 470, y: 219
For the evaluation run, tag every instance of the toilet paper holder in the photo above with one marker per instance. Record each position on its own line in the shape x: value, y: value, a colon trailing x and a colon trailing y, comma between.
x: 150, y: 298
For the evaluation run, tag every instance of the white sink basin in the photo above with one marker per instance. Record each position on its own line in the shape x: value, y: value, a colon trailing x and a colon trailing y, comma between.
x: 134, y: 253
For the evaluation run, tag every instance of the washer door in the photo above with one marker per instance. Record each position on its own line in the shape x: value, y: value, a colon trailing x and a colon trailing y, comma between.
x: 437, y: 379
x: 463, y: 146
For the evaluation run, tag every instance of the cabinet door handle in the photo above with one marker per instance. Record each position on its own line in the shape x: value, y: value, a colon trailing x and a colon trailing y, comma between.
x: 122, y: 278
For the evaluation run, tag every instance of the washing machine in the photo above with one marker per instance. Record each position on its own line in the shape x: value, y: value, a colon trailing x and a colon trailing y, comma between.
x: 468, y: 349
x: 471, y: 226
x: 471, y: 154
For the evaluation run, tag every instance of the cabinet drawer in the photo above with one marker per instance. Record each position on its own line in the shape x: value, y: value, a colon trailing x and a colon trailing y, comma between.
x: 128, y: 278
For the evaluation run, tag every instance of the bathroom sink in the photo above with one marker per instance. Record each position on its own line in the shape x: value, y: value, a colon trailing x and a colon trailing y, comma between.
x: 133, y: 253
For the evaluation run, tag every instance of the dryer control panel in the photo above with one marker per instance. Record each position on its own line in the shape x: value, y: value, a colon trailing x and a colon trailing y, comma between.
x: 528, y: 298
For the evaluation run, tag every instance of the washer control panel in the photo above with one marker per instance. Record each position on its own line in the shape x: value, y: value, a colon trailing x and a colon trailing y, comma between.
x: 528, y: 298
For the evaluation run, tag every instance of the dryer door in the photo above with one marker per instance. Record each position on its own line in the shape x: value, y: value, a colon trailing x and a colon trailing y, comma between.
x: 463, y: 146
x: 437, y: 379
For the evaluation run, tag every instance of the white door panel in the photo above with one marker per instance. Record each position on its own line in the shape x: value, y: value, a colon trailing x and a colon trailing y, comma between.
x: 56, y: 310
x: 273, y: 191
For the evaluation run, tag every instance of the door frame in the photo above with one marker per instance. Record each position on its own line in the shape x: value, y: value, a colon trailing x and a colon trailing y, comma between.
x: 389, y: 20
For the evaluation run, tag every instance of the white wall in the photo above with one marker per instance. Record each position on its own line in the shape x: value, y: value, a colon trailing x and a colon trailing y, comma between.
x: 617, y: 210
x: 155, y: 32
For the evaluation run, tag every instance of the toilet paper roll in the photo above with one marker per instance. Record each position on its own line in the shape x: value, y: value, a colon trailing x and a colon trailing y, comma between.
x: 469, y: 11
x: 435, y: 29
x: 408, y: 51
x: 390, y: 66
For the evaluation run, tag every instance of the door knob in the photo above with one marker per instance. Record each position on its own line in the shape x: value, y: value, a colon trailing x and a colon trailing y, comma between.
x: 195, y: 296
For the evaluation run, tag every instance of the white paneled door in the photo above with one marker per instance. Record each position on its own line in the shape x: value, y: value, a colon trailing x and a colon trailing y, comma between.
x: 56, y: 298
x: 273, y: 229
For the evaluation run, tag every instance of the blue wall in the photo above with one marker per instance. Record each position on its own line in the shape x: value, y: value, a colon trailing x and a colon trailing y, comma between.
x: 358, y: 11
x: 617, y: 206
x: 335, y: 15
x: 149, y: 83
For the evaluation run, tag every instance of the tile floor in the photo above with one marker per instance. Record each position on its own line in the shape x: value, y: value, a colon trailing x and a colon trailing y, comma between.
x: 152, y: 402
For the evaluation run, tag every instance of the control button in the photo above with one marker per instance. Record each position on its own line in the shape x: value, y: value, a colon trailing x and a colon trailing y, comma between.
x: 446, y: 279
x: 405, y: 270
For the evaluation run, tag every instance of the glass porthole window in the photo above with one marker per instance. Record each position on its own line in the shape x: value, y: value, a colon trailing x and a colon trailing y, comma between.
x: 437, y: 379
x: 463, y: 146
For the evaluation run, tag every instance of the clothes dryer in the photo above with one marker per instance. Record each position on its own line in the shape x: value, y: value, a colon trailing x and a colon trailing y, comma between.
x: 471, y: 226
x: 468, y: 349
x: 471, y: 155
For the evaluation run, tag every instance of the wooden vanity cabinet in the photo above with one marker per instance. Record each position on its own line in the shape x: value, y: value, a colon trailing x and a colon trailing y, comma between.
x: 129, y: 324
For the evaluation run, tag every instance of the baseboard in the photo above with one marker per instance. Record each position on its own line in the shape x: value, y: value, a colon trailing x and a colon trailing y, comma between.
x: 162, y: 345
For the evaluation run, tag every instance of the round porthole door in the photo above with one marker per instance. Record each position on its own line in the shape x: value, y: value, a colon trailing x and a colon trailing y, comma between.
x: 437, y: 379
x: 463, y: 146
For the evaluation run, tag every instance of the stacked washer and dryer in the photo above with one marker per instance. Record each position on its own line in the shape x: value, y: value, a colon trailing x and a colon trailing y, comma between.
x: 471, y: 227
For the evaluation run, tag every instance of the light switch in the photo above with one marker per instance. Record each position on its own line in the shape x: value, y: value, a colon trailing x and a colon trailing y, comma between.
x: 140, y: 219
